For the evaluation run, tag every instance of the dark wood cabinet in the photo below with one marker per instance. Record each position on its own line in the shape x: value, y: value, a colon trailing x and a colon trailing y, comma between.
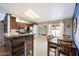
x: 23, y: 24
x: 15, y: 25
x: 20, y: 46
x: 29, y: 46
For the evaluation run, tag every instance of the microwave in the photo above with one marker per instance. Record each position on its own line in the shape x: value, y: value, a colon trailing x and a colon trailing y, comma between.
x: 27, y: 29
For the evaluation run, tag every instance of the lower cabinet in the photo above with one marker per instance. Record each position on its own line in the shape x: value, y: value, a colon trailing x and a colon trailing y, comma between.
x: 20, y: 46
x: 29, y: 46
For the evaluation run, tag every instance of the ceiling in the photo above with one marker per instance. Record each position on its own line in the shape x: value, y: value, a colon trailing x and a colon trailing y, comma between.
x: 46, y: 11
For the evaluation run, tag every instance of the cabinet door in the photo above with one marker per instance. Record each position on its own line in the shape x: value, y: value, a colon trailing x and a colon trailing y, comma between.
x: 13, y: 23
x: 29, y: 46
x: 18, y: 47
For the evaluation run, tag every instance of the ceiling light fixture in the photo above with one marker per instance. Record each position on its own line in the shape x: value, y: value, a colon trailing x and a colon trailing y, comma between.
x: 31, y: 14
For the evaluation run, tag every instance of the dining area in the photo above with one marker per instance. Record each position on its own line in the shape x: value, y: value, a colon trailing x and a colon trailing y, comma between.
x: 62, y: 47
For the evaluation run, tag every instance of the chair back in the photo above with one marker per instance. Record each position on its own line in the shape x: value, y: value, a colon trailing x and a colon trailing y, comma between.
x: 64, y: 46
x: 66, y: 37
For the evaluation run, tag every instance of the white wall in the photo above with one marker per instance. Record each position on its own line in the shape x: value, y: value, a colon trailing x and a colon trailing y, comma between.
x: 41, y: 26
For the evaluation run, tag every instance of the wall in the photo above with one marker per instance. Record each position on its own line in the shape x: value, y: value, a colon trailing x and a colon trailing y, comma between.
x: 67, y: 26
x: 42, y: 26
x: 67, y: 30
x: 1, y: 33
x: 76, y: 35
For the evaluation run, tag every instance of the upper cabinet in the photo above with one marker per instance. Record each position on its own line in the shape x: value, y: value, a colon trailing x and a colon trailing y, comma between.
x: 16, y: 22
x: 13, y: 23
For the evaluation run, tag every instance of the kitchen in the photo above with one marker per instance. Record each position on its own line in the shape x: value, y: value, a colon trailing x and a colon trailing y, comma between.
x: 18, y: 35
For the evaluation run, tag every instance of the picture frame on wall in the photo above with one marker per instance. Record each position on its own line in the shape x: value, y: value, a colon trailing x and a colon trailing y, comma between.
x: 75, y: 24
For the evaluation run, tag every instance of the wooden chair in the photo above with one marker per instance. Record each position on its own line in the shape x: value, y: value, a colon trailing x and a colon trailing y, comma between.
x: 51, y: 46
x: 73, y: 51
x: 64, y: 47
x: 66, y: 37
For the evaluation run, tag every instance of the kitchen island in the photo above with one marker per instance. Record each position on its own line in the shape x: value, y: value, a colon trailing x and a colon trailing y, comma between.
x: 19, y: 44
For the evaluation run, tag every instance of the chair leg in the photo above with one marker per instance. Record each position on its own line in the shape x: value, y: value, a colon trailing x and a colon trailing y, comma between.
x: 58, y: 53
x: 48, y: 52
x: 55, y: 52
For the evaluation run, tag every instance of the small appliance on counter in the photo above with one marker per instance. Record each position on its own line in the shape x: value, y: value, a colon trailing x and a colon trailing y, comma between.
x: 23, y: 30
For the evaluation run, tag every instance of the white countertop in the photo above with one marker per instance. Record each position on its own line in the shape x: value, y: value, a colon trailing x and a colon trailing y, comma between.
x: 16, y: 35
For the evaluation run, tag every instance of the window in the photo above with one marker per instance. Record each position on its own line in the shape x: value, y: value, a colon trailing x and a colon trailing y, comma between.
x: 57, y: 31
